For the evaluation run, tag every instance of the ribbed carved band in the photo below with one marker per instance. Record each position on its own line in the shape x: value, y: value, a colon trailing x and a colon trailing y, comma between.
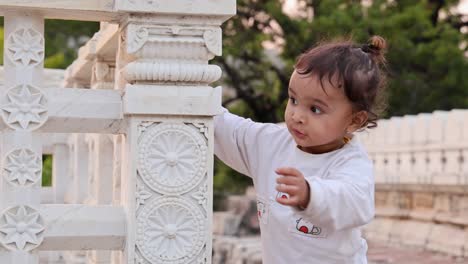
x: 174, y: 72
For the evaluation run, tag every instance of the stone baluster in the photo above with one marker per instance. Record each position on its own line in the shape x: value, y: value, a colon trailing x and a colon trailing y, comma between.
x: 421, y: 141
x: 79, y: 159
x: 464, y: 152
x: 437, y: 157
x: 379, y: 155
x: 24, y: 109
x: 61, y: 173
x: 407, y: 133
x: 453, y: 144
x: 118, y: 171
x: 392, y: 171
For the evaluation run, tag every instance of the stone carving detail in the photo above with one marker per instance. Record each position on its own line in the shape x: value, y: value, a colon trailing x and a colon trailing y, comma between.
x: 202, y: 196
x: 203, y: 128
x: 173, y: 72
x: 141, y: 195
x: 176, y: 42
x: 172, y: 158
x: 139, y: 259
x: 170, y: 230
x: 213, y: 39
x: 137, y: 37
x: 202, y: 259
x: 25, y: 107
x: 103, y: 75
x: 22, y: 167
x: 25, y: 47
x: 21, y: 228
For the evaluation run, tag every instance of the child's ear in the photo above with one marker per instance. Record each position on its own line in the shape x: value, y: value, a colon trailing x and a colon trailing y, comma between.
x: 358, y: 120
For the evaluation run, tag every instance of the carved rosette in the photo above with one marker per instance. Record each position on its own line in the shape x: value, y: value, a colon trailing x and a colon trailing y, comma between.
x: 22, y: 167
x: 21, y: 228
x: 171, y: 230
x: 25, y: 47
x: 172, y: 158
x: 24, y: 107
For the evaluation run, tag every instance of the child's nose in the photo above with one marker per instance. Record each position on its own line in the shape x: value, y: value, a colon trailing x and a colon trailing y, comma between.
x: 298, y: 116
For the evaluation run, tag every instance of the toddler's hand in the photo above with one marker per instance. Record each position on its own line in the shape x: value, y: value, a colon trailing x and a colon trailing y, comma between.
x: 292, y: 182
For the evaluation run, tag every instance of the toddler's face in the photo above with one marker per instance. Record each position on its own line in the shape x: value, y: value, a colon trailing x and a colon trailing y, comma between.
x: 318, y: 120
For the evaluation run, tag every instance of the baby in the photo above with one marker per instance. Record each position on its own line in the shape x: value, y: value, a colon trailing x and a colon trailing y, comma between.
x: 313, y: 179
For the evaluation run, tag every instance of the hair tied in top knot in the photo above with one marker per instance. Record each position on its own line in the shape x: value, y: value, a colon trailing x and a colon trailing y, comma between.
x: 375, y: 48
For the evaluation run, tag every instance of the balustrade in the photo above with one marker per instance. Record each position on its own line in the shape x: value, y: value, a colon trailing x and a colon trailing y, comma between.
x: 131, y: 134
x: 421, y: 178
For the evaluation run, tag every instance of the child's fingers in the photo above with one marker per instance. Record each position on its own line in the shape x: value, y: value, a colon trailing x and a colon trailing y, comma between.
x: 288, y: 171
x: 292, y: 201
x: 288, y: 180
x: 289, y: 189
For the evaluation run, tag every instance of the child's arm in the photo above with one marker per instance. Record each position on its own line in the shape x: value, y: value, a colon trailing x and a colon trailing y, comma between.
x: 236, y: 141
x: 344, y: 200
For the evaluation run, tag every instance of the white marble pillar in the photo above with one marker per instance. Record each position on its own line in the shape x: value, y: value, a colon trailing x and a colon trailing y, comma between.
x: 24, y: 109
x: 79, y: 153
x: 169, y: 107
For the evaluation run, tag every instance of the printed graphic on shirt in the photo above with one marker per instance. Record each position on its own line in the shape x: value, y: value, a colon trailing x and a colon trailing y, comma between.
x: 282, y: 195
x: 306, y: 228
x: 263, y: 210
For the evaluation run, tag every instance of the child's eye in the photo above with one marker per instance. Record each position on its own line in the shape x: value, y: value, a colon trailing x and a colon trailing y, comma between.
x: 316, y: 110
x: 293, y: 100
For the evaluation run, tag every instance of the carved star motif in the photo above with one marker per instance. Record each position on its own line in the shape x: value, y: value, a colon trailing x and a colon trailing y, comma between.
x: 23, y: 166
x: 24, y: 107
x: 21, y: 228
x: 26, y: 47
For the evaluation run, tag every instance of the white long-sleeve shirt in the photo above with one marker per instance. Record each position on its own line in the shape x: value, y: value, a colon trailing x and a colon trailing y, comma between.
x: 341, y: 197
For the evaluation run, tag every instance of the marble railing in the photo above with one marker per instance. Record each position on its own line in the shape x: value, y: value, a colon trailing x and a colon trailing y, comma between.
x: 130, y: 131
x: 421, y: 174
x: 420, y: 149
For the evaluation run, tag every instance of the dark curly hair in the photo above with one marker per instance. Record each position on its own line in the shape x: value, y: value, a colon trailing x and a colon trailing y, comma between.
x: 358, y: 71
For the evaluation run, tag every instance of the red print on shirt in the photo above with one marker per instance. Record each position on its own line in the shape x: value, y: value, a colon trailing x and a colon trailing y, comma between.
x: 307, y: 227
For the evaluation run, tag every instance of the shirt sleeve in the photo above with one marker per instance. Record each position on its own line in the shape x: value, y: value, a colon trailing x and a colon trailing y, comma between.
x: 236, y: 141
x: 345, y: 199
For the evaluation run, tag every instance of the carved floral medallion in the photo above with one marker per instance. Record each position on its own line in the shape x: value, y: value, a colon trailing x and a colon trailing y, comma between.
x: 22, y: 167
x: 172, y: 158
x: 25, y: 107
x: 171, y: 230
x: 25, y: 47
x: 21, y: 228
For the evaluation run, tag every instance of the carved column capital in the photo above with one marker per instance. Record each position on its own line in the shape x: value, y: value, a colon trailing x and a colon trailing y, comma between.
x: 171, y: 53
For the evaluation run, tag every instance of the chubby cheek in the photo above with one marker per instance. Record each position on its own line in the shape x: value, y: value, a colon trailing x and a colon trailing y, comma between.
x: 322, y: 132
